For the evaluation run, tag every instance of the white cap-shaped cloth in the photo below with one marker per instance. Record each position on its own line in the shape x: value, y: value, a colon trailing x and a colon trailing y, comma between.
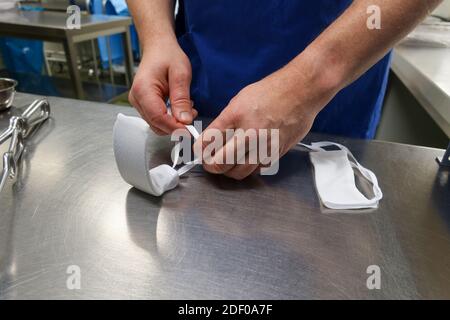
x: 133, y: 141
x: 137, y: 148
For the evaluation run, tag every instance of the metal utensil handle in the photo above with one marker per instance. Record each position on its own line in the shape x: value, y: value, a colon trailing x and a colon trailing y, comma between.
x: 19, y: 128
x: 7, y: 164
x: 37, y: 112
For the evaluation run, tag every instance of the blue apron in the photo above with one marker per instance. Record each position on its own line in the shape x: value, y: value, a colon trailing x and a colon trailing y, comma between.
x: 233, y: 43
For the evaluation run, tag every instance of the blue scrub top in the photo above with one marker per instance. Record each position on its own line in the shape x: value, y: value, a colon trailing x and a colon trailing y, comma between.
x: 233, y: 43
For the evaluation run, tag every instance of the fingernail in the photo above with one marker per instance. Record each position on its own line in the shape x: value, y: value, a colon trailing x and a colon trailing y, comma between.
x: 185, y: 116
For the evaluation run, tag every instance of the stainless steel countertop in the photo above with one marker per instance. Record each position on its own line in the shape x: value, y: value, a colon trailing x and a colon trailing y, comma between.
x: 213, y: 237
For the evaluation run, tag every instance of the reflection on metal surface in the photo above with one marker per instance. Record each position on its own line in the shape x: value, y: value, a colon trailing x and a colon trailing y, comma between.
x: 19, y: 129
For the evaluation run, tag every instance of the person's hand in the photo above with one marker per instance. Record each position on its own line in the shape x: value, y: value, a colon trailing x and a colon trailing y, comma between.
x: 286, y: 100
x: 164, y: 72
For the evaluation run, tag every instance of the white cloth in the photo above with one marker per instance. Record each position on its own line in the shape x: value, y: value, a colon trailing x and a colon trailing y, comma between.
x: 131, y: 142
x: 335, y: 179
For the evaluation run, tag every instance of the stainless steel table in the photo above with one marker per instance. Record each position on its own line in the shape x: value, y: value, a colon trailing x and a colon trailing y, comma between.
x: 51, y: 26
x: 265, y: 237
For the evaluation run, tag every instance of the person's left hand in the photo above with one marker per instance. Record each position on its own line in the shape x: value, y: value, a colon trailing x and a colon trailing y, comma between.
x: 286, y: 100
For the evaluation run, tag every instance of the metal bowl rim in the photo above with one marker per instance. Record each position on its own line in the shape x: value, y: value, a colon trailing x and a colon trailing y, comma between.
x: 13, y: 84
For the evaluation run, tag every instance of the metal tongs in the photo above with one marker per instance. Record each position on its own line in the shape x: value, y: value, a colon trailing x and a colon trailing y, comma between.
x: 19, y: 129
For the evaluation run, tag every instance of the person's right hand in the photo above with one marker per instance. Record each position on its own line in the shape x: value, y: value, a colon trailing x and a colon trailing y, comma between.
x: 164, y: 72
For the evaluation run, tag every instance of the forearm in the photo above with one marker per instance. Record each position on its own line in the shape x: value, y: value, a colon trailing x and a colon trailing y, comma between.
x: 348, y: 48
x: 154, y: 20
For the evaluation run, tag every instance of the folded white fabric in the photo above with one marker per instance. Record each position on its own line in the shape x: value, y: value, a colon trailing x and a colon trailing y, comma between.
x: 132, y: 139
x: 335, y: 179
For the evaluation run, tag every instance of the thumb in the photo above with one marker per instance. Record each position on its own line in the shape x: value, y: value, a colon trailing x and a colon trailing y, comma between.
x: 179, y: 86
x: 215, y: 132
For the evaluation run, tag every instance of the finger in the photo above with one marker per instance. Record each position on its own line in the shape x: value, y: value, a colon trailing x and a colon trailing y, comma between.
x: 226, y: 158
x: 241, y: 171
x: 150, y: 102
x: 194, y: 113
x: 244, y: 168
x: 141, y: 111
x: 166, y: 123
x: 134, y: 103
x: 158, y: 131
x: 180, y: 100
x: 215, y: 133
x: 224, y: 121
x: 254, y: 161
x: 137, y: 106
